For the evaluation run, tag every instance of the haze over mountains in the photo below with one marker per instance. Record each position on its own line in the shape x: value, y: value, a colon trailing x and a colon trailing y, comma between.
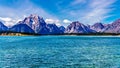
x: 36, y: 25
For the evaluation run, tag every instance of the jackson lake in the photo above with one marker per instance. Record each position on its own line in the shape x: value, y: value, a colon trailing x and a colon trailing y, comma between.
x: 59, y: 52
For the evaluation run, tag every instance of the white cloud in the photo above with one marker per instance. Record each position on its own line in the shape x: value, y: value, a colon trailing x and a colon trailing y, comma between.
x: 85, y: 11
x: 5, y: 19
x: 96, y: 11
x: 100, y: 4
x: 23, y: 11
x: 66, y: 21
x: 99, y: 11
x: 53, y: 21
x: 9, y: 21
x: 90, y: 11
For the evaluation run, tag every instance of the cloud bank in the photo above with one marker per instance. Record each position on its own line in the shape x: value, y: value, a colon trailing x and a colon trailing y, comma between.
x: 60, y: 12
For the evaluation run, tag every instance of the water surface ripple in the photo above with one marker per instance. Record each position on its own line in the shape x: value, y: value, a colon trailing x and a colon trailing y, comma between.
x: 59, y: 52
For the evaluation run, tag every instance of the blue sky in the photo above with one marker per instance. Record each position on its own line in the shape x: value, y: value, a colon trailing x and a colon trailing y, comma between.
x: 60, y: 12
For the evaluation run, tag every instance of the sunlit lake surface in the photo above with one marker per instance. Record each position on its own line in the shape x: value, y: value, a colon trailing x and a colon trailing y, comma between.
x: 59, y: 52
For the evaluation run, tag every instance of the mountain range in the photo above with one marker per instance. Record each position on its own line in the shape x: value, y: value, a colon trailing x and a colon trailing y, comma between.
x: 36, y: 25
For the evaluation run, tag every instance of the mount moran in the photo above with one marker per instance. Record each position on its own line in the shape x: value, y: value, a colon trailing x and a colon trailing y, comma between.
x: 35, y: 24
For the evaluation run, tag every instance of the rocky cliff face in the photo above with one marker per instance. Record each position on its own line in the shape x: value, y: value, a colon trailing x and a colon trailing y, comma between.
x: 3, y: 27
x: 39, y: 26
x: 77, y: 27
x: 36, y: 23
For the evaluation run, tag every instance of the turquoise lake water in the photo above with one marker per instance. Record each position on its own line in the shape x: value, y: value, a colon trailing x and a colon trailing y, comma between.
x: 59, y: 52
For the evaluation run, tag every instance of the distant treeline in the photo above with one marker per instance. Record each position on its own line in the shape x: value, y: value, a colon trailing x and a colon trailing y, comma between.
x: 20, y: 34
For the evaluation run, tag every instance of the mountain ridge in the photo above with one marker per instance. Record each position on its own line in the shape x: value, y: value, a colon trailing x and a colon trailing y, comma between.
x: 36, y: 25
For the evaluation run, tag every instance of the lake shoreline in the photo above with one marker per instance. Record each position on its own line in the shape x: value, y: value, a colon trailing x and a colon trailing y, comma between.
x: 69, y: 34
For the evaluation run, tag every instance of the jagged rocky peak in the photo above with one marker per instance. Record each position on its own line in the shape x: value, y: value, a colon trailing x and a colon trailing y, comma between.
x: 113, y: 28
x: 33, y: 20
x: 39, y: 26
x: 98, y: 27
x: 77, y: 27
x: 76, y: 23
x: 37, y: 18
